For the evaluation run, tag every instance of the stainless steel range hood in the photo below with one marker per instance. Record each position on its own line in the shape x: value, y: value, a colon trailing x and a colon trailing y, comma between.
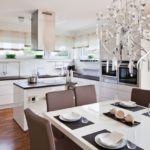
x: 43, y: 30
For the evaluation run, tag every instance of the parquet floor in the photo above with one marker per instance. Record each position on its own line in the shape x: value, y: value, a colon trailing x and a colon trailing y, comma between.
x: 11, y: 136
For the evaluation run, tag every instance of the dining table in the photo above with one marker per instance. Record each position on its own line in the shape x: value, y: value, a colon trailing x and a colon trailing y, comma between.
x: 83, y: 134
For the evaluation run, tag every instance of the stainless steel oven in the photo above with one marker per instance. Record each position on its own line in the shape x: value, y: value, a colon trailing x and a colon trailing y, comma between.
x: 125, y: 76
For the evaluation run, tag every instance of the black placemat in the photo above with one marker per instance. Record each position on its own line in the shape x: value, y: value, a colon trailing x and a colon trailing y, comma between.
x: 134, y: 109
x: 108, y: 114
x: 91, y: 139
x: 146, y: 114
x: 74, y: 125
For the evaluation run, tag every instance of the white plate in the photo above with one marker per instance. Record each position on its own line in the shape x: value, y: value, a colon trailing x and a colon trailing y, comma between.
x: 119, y: 145
x: 70, y: 117
x: 128, y: 104
x: 61, y: 118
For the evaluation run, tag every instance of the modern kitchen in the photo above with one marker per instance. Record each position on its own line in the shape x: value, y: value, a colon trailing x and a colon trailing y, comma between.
x: 84, y: 72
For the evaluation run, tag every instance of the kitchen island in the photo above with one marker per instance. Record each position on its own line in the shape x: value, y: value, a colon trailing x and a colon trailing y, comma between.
x: 33, y: 96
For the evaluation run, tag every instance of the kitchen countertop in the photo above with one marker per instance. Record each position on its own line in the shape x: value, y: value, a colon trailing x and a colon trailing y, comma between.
x: 89, y: 77
x: 41, y: 83
x: 96, y: 78
x: 2, y: 78
x: 12, y: 78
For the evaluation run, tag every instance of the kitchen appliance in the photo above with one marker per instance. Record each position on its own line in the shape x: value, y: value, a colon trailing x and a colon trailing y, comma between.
x: 107, y: 73
x: 107, y: 70
x: 124, y: 75
x: 43, y: 31
x: 32, y: 79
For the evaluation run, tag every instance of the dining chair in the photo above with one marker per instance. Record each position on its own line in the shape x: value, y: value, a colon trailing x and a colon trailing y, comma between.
x: 140, y: 96
x: 85, y: 95
x: 56, y: 101
x: 60, y: 100
x: 41, y: 135
x: 40, y: 132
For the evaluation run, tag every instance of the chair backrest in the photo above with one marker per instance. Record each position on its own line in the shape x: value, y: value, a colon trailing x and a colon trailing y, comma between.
x: 60, y: 100
x: 40, y: 132
x: 85, y: 95
x: 140, y: 96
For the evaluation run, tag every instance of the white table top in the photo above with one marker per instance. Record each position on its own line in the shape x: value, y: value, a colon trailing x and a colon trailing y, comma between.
x: 101, y: 122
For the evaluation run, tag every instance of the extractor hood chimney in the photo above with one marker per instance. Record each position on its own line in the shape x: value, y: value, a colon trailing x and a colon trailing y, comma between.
x: 43, y: 31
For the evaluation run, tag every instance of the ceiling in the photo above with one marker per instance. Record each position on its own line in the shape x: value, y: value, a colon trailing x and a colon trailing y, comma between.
x: 72, y: 16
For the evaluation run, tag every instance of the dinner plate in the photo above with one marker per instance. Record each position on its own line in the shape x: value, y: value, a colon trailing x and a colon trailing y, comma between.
x: 119, y: 145
x: 70, y: 117
x: 128, y: 104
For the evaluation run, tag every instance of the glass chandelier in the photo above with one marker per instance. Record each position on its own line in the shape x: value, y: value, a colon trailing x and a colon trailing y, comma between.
x: 120, y: 29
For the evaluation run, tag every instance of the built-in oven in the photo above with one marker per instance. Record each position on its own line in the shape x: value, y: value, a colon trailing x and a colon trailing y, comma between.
x: 107, y: 70
x: 125, y: 76
x: 107, y: 73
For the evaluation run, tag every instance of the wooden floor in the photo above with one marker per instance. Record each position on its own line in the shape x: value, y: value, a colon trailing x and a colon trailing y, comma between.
x: 11, y: 136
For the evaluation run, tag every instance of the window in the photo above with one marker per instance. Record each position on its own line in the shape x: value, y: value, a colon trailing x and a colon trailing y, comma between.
x: 88, y: 53
x: 6, y: 45
x: 60, y: 54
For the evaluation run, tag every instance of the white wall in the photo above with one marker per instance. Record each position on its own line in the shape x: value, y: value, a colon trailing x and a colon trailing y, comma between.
x: 144, y: 73
x: 31, y: 66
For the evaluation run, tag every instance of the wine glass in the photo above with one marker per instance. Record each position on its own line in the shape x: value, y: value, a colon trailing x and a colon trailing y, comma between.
x: 84, y: 120
x: 116, y: 100
x: 132, y: 136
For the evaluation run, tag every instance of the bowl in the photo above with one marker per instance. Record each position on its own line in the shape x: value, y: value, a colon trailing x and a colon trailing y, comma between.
x: 113, y: 111
x: 129, y: 118
x: 119, y: 114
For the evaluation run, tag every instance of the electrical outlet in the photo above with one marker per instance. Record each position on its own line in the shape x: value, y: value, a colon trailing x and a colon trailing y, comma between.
x: 33, y: 98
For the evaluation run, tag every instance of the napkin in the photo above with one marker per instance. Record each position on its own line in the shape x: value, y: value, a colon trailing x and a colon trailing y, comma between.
x: 112, y: 138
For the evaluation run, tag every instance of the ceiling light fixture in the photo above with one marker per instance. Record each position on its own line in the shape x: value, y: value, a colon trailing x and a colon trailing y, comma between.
x: 120, y: 29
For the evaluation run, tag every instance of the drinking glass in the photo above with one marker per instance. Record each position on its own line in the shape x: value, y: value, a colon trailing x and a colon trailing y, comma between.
x: 132, y: 136
x: 84, y: 120
x: 149, y: 109
x: 100, y: 108
x: 116, y: 100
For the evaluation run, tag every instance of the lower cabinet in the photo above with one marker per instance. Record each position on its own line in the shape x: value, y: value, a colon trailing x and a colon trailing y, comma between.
x: 6, y: 92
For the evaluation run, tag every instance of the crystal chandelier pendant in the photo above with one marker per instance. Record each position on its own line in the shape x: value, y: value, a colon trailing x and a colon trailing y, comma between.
x: 124, y: 22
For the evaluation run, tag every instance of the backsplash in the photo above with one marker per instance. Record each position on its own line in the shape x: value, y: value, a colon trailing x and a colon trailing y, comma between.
x: 27, y: 67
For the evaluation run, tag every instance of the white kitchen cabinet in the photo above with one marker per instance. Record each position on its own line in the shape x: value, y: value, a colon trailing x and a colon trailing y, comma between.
x: 6, y: 92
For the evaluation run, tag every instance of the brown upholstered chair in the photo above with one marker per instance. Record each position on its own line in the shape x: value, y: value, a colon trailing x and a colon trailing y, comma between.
x: 60, y: 100
x: 41, y: 135
x: 140, y: 96
x: 85, y: 95
x: 40, y: 132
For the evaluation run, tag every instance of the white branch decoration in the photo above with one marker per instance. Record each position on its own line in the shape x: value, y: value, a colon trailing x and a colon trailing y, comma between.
x: 142, y: 58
